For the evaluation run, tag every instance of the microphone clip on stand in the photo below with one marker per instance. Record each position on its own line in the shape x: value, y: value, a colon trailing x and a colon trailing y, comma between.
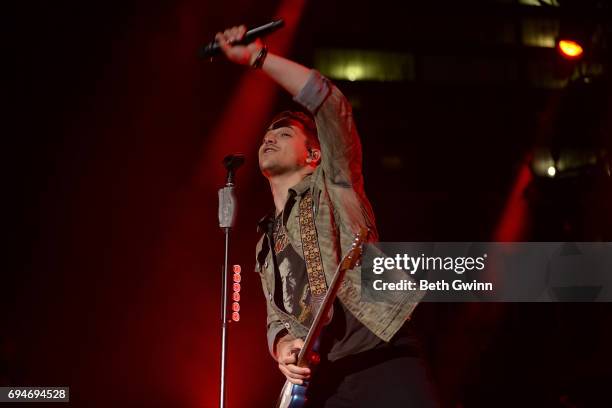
x: 227, y: 216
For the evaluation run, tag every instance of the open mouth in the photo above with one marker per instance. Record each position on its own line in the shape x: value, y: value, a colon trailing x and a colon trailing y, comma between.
x: 269, y: 149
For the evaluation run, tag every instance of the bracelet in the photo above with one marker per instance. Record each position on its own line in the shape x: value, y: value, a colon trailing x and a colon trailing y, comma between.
x: 261, y: 57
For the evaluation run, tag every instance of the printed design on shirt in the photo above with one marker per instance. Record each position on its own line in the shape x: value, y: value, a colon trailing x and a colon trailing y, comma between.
x: 289, y: 285
x: 296, y: 297
x: 281, y: 239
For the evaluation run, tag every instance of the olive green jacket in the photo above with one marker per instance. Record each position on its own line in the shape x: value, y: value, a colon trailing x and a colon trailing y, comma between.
x: 340, y: 208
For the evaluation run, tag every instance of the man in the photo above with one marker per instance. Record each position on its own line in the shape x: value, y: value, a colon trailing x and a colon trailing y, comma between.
x: 368, y: 353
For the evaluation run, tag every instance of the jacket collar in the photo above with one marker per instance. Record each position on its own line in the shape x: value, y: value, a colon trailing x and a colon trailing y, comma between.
x: 301, y: 187
x: 264, y: 222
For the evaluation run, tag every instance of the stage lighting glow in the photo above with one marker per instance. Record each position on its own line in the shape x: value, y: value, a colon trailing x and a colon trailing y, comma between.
x: 551, y: 171
x: 539, y: 32
x: 353, y: 72
x: 570, y: 49
x: 539, y: 3
x: 365, y: 65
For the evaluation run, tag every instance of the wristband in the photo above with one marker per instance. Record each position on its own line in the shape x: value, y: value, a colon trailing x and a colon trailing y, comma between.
x: 261, y: 57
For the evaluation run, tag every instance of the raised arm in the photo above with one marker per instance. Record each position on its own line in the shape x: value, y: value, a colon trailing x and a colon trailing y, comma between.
x: 288, y: 74
x: 340, y: 144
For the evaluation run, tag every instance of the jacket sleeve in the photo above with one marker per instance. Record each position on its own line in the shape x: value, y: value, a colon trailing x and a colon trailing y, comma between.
x: 340, y: 144
x: 274, y: 324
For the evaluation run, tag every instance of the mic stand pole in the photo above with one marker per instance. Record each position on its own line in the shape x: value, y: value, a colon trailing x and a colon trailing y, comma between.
x: 227, y: 215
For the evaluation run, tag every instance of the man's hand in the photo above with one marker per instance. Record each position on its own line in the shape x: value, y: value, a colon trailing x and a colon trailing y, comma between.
x: 240, y: 54
x: 287, y: 349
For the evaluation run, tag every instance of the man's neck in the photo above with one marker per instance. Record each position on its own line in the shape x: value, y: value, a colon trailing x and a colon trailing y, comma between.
x: 280, y: 185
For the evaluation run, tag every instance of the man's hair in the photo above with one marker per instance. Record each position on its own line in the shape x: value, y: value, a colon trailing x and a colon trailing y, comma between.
x: 305, y: 121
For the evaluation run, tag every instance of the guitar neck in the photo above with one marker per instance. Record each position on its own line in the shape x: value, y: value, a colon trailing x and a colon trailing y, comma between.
x: 320, y: 318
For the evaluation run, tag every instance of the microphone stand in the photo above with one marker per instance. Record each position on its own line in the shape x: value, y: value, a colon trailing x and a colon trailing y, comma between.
x: 227, y: 216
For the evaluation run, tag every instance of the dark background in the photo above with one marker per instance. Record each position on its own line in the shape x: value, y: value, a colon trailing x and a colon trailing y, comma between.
x: 114, y: 134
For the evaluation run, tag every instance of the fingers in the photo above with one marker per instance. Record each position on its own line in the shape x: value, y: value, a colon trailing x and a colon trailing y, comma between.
x: 294, y: 374
x: 228, y: 41
x: 297, y: 343
x: 287, y: 375
x: 288, y: 358
x: 222, y: 41
x: 231, y: 35
x: 241, y: 32
x: 288, y: 350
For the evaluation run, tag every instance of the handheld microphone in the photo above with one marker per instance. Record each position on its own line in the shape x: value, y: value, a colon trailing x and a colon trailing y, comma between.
x: 212, y: 48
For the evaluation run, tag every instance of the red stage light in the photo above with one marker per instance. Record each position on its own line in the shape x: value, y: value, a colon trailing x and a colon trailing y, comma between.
x: 237, y: 269
x: 236, y: 287
x: 236, y: 297
x: 236, y: 316
x: 570, y: 49
x: 236, y: 307
x: 237, y: 278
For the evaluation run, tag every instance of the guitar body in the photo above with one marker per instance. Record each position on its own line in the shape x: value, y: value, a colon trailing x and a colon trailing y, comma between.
x: 292, y: 396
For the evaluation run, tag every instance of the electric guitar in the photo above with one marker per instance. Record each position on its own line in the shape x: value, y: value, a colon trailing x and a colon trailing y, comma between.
x: 293, y: 395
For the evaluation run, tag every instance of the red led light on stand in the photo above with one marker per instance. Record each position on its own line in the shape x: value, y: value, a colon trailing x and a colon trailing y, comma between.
x: 237, y: 278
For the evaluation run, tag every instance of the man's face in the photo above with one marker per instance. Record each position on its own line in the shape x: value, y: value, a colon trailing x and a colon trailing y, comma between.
x: 283, y: 150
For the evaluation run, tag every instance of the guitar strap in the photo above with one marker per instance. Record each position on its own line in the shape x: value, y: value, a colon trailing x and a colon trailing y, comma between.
x: 312, y: 253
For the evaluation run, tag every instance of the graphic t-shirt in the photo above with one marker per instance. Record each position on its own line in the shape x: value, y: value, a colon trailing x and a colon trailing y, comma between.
x: 345, y: 335
x: 293, y: 294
